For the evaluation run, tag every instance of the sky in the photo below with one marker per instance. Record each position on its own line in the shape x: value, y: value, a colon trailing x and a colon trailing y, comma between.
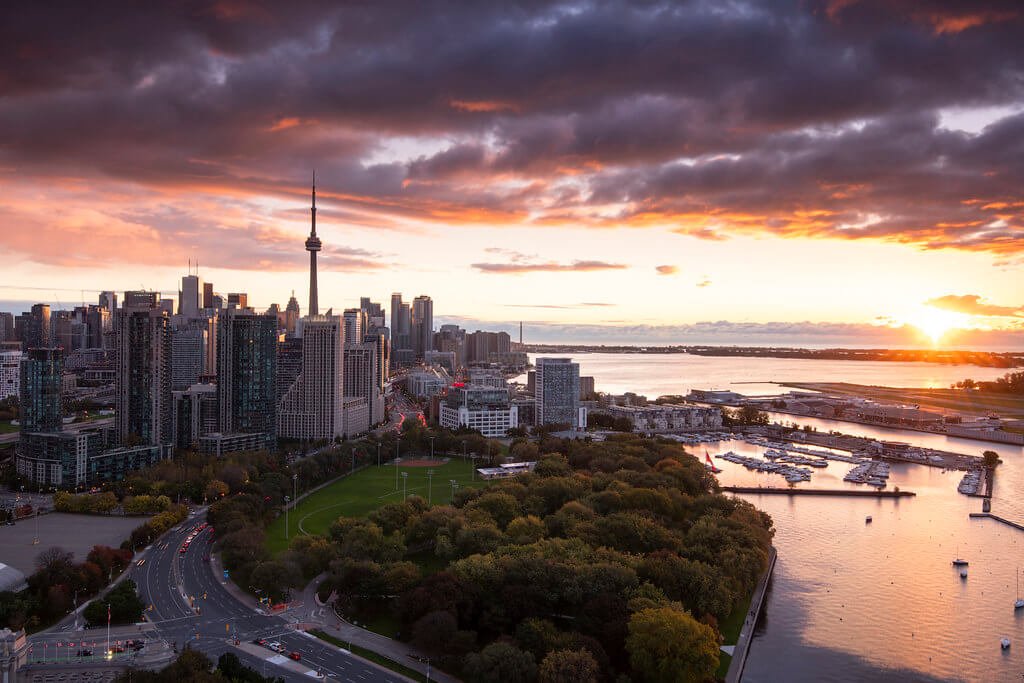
x: 809, y: 171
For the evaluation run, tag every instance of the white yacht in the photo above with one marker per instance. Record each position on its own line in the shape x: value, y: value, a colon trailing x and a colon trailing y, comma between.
x: 1005, y: 643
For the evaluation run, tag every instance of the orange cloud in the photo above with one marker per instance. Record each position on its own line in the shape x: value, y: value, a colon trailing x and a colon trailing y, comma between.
x: 477, y: 106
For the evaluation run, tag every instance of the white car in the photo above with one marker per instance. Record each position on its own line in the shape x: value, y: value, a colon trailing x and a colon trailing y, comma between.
x: 275, y: 646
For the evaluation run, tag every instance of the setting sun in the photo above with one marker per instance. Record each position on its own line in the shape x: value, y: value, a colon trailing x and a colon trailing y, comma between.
x: 936, y: 323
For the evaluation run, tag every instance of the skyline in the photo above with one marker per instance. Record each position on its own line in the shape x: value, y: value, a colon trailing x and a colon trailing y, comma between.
x: 832, y: 171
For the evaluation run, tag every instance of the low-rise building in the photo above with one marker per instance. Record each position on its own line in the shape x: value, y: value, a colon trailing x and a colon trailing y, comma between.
x: 483, y: 408
x: 671, y: 417
x: 426, y: 382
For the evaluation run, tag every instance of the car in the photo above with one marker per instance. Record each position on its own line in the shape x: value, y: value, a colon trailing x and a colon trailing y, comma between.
x: 85, y: 653
x: 259, y: 641
x: 183, y: 550
x: 295, y: 655
x: 275, y: 646
x: 116, y: 648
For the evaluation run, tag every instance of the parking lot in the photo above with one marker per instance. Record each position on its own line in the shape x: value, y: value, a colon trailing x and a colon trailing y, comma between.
x: 74, y: 533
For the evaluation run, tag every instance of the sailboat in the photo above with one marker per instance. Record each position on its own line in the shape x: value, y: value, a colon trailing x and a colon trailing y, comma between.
x: 959, y: 562
x: 710, y: 465
x: 1019, y: 604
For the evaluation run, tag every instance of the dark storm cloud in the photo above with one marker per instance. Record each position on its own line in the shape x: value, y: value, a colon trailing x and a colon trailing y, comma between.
x: 795, y: 118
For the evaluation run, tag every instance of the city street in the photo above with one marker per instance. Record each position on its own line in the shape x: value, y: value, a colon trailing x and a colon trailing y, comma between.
x: 188, y: 605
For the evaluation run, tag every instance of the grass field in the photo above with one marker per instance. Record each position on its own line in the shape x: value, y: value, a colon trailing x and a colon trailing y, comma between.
x: 7, y: 428
x: 364, y: 492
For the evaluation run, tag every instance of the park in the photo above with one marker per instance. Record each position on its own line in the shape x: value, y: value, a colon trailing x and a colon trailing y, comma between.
x: 358, y: 494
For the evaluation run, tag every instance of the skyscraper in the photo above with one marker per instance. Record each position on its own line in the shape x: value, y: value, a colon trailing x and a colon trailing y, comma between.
x: 42, y: 370
x: 361, y: 377
x: 557, y: 392
x: 108, y: 300
x: 190, y: 296
x: 36, y: 327
x: 355, y: 325
x: 247, y: 373
x: 143, y: 379
x: 188, y: 354
x: 311, y: 409
x: 422, y: 325
x: 313, y: 245
x: 291, y: 314
x: 208, y: 295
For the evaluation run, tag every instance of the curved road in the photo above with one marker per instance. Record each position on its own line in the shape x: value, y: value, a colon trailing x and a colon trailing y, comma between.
x: 187, y: 604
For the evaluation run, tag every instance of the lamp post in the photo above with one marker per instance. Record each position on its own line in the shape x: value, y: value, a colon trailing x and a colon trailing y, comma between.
x: 455, y: 485
x: 431, y: 448
x: 463, y: 450
x: 35, y: 539
x: 472, y: 472
x: 430, y: 481
x: 405, y: 478
x: 378, y: 454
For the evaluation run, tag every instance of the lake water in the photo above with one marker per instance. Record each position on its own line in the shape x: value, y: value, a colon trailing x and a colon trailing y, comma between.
x: 851, y: 601
x: 656, y: 375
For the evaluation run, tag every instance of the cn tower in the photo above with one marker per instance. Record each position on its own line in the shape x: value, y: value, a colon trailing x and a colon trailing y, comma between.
x: 312, y: 246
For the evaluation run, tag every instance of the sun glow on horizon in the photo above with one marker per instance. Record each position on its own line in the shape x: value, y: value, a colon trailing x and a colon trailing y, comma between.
x: 937, y: 323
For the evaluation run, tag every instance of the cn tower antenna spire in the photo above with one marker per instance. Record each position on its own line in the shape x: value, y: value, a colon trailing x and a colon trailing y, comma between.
x: 313, y: 245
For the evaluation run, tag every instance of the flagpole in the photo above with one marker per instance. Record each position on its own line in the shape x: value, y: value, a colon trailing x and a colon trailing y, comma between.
x: 109, y: 653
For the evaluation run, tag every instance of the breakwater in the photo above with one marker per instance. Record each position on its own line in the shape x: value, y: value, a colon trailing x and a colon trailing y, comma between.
x: 818, y: 492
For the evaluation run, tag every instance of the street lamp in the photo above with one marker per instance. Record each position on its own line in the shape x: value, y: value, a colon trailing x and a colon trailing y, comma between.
x: 405, y: 478
x: 472, y: 472
x: 431, y: 447
x: 455, y: 485
x: 463, y: 450
x: 295, y: 483
x: 378, y: 454
x: 430, y: 481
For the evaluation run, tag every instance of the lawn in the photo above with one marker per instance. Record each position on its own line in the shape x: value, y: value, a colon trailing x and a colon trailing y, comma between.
x: 730, y: 628
x: 365, y: 491
x: 6, y: 427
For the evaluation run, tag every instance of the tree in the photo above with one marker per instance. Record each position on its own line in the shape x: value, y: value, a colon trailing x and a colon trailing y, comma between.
x: 275, y: 577
x: 500, y: 663
x: 216, y: 489
x: 568, y: 666
x: 668, y: 645
x: 991, y: 459
x: 526, y: 530
x: 434, y: 631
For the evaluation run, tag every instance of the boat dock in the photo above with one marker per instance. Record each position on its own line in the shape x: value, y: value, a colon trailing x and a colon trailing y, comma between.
x: 1015, y: 525
x: 739, y: 653
x: 796, y: 491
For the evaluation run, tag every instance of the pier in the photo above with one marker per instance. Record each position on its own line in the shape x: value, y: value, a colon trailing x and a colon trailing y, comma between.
x: 1015, y: 525
x: 739, y: 653
x: 819, y: 492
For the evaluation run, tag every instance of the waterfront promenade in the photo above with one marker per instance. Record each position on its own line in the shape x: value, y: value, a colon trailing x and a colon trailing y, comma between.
x: 739, y: 653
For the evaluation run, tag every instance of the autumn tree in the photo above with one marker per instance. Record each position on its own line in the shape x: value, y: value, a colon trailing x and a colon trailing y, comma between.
x: 666, y: 645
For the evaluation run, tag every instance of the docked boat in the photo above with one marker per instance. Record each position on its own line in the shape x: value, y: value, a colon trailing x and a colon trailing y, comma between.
x: 867, y: 520
x: 959, y: 562
x: 1005, y: 643
x: 1019, y: 604
x: 963, y: 573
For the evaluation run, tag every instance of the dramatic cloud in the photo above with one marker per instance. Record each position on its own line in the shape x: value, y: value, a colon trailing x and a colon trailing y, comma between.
x: 798, y: 119
x: 667, y: 270
x: 971, y: 304
x: 518, y: 268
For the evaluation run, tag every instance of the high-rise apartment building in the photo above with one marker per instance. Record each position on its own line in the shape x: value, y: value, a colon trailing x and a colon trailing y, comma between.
x: 238, y: 300
x: 247, y: 373
x: 10, y: 373
x: 311, y: 409
x: 195, y: 415
x: 355, y: 325
x: 143, y: 379
x: 7, y: 327
x: 35, y: 327
x: 42, y: 371
x: 189, y: 342
x: 362, y: 378
x: 208, y: 295
x: 108, y: 300
x: 422, y: 325
x: 557, y: 392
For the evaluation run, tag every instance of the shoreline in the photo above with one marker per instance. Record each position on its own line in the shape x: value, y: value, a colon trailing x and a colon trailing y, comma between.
x: 742, y: 647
